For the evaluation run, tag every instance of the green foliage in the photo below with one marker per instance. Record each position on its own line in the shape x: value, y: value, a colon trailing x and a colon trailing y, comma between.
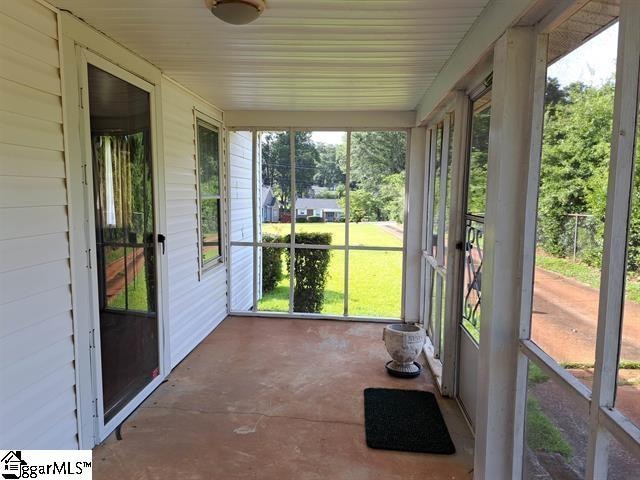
x: 363, y: 205
x: 375, y: 277
x: 331, y: 166
x: 477, y: 188
x: 276, y: 163
x: 375, y: 155
x: 575, y: 159
x: 585, y: 273
x: 311, y: 268
x: 271, y: 264
x: 535, y: 375
x: 315, y: 219
x: 392, y: 197
x: 542, y: 435
x: 377, y: 175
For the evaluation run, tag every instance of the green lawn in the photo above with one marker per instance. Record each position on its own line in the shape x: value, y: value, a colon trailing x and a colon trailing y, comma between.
x: 137, y: 294
x: 375, y: 277
x: 369, y: 234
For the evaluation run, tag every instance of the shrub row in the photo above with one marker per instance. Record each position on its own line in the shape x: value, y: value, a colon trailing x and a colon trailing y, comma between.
x: 311, y: 269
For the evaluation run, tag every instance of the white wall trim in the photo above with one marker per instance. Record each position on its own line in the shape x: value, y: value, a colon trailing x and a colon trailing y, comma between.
x: 251, y: 119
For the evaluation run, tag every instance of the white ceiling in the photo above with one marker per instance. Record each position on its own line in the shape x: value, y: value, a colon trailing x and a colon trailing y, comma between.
x: 299, y: 55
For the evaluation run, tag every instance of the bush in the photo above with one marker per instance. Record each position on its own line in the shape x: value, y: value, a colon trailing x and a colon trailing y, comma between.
x: 314, y: 219
x: 301, y: 219
x: 271, y: 264
x: 311, y: 270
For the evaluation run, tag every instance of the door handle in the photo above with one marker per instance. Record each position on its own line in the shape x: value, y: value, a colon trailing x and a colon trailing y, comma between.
x: 162, y: 239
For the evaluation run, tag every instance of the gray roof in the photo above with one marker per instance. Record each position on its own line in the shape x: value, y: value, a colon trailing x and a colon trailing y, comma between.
x: 268, y: 198
x: 317, y: 204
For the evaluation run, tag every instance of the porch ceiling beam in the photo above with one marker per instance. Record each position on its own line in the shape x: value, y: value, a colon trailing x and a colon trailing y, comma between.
x: 319, y: 119
x: 494, y: 20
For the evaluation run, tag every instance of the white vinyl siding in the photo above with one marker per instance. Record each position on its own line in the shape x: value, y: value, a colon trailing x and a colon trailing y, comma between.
x: 197, y: 304
x: 240, y: 195
x: 37, y: 397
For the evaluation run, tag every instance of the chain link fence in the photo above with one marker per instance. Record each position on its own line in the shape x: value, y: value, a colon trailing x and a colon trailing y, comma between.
x: 579, y: 238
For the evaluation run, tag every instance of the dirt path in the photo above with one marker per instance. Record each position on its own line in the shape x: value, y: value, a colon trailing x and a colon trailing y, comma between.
x: 392, y: 228
x: 565, y: 314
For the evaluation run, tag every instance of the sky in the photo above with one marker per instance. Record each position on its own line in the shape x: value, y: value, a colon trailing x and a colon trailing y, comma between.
x: 593, y: 63
x: 334, y: 138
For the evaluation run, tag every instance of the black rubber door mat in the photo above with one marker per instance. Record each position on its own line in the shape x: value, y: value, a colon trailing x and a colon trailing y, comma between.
x: 405, y: 420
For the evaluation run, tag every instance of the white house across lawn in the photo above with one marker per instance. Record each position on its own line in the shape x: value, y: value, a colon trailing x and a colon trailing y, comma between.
x: 327, y: 208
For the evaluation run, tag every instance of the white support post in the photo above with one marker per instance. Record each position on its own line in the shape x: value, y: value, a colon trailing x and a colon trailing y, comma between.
x: 509, y: 148
x: 529, y: 244
x: 413, y: 226
x: 612, y: 283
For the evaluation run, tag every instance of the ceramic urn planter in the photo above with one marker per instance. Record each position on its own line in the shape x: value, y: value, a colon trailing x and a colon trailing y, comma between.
x: 404, y: 343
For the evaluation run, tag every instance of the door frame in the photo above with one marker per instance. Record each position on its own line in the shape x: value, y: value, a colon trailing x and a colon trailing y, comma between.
x: 76, y: 57
x: 463, y: 335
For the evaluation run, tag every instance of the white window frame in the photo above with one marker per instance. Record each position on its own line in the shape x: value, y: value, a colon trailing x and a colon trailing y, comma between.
x: 293, y: 246
x: 201, y: 119
x: 605, y: 421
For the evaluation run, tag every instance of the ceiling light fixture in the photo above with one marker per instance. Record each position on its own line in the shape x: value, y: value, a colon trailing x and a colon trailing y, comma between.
x: 236, y: 12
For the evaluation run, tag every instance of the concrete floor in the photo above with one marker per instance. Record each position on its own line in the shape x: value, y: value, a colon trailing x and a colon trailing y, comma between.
x: 275, y: 399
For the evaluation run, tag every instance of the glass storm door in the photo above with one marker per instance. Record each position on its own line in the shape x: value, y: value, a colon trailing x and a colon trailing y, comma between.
x: 473, y: 251
x: 120, y: 119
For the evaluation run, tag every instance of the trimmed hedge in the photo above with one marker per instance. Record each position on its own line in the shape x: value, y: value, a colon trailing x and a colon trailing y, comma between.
x: 271, y: 264
x: 315, y: 219
x: 311, y: 270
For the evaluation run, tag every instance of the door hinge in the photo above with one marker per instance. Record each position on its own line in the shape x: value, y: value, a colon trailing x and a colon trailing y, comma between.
x: 84, y: 174
x: 89, y: 259
x: 82, y: 98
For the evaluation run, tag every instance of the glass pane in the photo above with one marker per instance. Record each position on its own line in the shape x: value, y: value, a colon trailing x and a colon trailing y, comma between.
x: 274, y: 191
x: 448, y: 190
x: 479, y: 156
x: 556, y: 430
x: 319, y: 281
x: 623, y: 465
x: 320, y: 184
x: 434, y: 312
x: 572, y: 204
x: 240, y: 188
x: 473, y: 257
x: 138, y: 295
x: 437, y: 174
x: 114, y: 281
x: 210, y: 225
x: 628, y: 389
x: 376, y: 201
x: 125, y: 243
x: 273, y: 279
x: 375, y: 283
x: 208, y: 160
x: 442, y: 294
x: 241, y: 279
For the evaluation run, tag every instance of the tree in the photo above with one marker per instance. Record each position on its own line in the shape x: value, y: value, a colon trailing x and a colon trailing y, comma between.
x: 276, y: 164
x: 331, y: 166
x: 392, y: 197
x: 377, y: 175
x: 363, y: 206
x: 374, y: 155
x: 575, y: 162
